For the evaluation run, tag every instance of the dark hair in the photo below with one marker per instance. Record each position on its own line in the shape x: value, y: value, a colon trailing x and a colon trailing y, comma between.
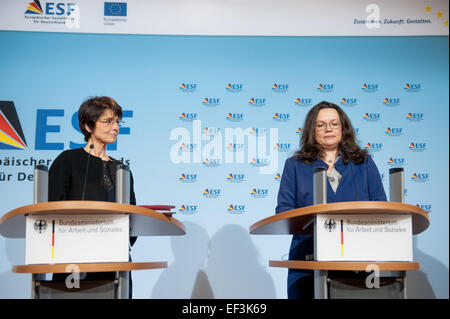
x: 92, y: 109
x: 310, y: 149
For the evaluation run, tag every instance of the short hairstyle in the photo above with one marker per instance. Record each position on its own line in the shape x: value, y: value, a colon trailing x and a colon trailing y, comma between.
x: 90, y: 111
x: 310, y: 149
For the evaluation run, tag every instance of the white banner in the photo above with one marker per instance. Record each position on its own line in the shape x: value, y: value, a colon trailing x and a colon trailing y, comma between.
x: 234, y: 18
x: 364, y: 238
x: 55, y: 239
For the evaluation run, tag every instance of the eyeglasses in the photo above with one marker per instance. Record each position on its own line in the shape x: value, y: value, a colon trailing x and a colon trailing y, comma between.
x: 110, y: 122
x: 323, y: 125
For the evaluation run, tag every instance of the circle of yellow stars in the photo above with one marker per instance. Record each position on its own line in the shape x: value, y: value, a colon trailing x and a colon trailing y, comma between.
x: 439, y: 14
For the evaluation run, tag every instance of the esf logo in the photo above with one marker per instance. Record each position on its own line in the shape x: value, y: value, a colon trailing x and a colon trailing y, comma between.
x: 211, y: 193
x: 211, y: 131
x: 259, y: 162
x: 188, y: 117
x: 258, y: 131
x: 299, y: 131
x: 188, y: 147
x: 51, y: 8
x: 235, y: 117
x: 259, y: 192
x: 188, y: 209
x: 425, y: 207
x: 415, y: 117
x: 211, y: 162
x: 345, y: 101
x: 234, y: 88
x: 236, y: 209
x: 188, y: 178
x: 188, y: 87
x: 277, y: 87
x: 393, y: 131
x: 325, y: 87
x: 420, y: 177
x: 235, y: 178
x: 391, y: 101
x: 396, y: 161
x: 254, y: 101
x: 235, y: 147
x: 42, y: 128
x: 374, y: 147
x: 369, y: 87
x: 12, y: 136
x: 372, y: 117
x: 277, y: 177
x: 281, y: 117
x: 417, y: 147
x: 303, y: 102
x: 412, y: 87
x: 356, y: 130
x: 211, y: 101
x: 283, y: 147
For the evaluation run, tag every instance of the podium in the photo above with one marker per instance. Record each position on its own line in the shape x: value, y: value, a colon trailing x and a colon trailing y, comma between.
x: 143, y: 221
x: 303, y: 221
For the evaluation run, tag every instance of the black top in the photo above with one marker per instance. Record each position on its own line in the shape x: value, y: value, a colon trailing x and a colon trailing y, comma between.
x: 67, y: 172
x: 66, y: 179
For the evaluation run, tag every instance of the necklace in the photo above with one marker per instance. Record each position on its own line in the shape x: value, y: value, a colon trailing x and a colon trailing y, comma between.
x: 333, y: 160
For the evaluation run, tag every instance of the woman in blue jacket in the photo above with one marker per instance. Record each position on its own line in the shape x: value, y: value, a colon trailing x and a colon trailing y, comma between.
x: 328, y: 140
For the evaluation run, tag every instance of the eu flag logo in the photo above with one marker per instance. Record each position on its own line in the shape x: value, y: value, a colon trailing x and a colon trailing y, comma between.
x: 116, y: 9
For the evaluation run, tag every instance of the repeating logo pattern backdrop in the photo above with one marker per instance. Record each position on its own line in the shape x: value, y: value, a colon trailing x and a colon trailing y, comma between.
x: 209, y: 123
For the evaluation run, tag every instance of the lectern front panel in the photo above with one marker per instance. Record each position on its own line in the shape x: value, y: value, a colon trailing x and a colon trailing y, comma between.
x: 54, y: 239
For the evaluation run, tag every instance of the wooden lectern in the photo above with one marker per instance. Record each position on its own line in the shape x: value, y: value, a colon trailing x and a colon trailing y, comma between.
x: 143, y: 221
x: 302, y: 221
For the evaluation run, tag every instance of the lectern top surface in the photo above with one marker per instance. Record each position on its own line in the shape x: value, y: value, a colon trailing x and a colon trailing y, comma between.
x: 297, y: 221
x: 143, y: 221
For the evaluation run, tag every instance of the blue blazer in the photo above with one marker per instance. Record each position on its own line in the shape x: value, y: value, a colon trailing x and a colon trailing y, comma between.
x: 359, y: 182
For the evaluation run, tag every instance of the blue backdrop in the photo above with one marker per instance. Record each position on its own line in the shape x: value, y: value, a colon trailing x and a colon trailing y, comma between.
x: 183, y: 95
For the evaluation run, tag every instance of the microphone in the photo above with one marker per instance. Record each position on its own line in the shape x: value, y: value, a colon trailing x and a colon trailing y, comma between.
x: 91, y: 147
x: 319, y: 185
